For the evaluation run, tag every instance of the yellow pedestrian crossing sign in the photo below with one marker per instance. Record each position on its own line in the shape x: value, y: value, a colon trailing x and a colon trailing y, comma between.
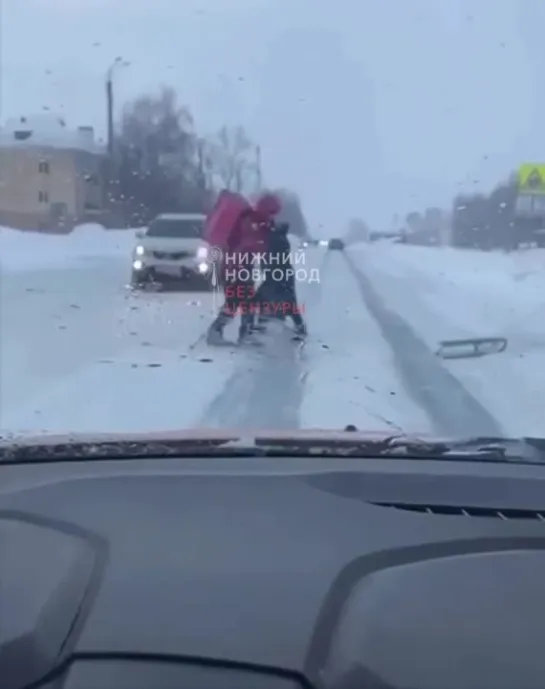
x: 531, y: 179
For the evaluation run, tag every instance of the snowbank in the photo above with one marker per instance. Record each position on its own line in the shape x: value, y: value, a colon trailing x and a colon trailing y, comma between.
x: 480, y: 291
x: 23, y: 251
x: 465, y: 267
x: 444, y: 293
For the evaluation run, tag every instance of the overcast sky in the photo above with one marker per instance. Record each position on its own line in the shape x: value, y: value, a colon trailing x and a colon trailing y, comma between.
x: 365, y: 107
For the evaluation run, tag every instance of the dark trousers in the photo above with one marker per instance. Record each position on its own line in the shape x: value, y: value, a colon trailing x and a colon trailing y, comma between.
x: 277, y: 300
x: 239, y: 301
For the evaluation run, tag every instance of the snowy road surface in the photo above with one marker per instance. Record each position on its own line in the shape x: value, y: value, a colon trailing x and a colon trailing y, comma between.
x: 444, y: 293
x: 79, y: 352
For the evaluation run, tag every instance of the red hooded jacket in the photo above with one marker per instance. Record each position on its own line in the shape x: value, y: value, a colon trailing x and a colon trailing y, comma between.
x: 250, y: 237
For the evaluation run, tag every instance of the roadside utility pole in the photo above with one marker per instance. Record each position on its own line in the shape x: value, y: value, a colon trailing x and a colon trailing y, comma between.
x: 110, y: 114
x: 259, y: 174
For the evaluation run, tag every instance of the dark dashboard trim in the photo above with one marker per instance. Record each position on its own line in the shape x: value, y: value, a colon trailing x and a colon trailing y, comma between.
x: 100, y: 550
x: 63, y: 667
x: 341, y: 588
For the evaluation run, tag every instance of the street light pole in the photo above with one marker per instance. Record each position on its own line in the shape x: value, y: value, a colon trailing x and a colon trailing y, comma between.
x: 118, y: 62
x: 109, y: 169
x: 110, y: 115
x: 259, y: 175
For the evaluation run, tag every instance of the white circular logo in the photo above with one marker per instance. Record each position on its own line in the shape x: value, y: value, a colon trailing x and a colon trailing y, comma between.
x: 215, y: 258
x: 215, y: 255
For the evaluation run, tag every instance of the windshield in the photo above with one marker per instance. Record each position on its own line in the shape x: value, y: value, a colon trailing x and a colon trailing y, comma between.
x: 175, y: 228
x: 373, y: 178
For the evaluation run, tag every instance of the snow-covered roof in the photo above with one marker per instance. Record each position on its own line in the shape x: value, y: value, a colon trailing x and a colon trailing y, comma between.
x: 181, y: 216
x: 47, y: 131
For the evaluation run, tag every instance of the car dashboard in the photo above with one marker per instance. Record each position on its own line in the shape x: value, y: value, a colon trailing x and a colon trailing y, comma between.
x: 280, y: 573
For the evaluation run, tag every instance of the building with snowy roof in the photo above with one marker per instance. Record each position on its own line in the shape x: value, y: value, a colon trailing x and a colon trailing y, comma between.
x: 51, y: 175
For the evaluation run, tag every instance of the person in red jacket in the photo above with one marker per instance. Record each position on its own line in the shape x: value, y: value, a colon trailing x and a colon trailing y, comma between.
x: 246, y: 242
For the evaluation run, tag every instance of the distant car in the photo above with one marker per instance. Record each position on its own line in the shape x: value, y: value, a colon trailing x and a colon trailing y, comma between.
x: 336, y: 244
x: 171, y: 250
x: 305, y: 243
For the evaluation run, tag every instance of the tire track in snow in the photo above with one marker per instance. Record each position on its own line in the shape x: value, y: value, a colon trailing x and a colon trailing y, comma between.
x: 267, y: 389
x: 452, y: 410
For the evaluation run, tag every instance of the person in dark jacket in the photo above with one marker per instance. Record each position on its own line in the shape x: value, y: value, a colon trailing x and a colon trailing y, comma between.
x: 277, y: 294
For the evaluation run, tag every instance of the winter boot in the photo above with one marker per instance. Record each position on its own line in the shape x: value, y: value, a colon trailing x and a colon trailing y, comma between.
x: 246, y: 333
x: 259, y: 327
x: 300, y: 331
x: 215, y: 331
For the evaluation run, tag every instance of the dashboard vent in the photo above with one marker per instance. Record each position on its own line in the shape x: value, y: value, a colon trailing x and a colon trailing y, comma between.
x: 506, y: 514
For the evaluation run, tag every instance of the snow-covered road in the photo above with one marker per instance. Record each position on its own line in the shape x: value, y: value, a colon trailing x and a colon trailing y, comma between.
x: 444, y: 293
x: 79, y: 352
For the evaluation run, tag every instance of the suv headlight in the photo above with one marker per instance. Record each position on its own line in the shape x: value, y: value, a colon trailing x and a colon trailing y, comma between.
x: 202, y: 253
x: 139, y: 251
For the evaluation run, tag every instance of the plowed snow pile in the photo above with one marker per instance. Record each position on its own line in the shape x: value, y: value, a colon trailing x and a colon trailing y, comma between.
x: 20, y: 250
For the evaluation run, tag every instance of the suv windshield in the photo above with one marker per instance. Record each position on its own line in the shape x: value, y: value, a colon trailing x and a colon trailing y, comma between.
x: 180, y: 228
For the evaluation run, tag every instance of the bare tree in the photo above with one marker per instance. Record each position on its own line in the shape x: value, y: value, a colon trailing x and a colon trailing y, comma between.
x: 159, y: 162
x: 477, y: 221
x: 163, y: 164
x: 487, y: 221
x: 162, y: 130
x: 233, y: 159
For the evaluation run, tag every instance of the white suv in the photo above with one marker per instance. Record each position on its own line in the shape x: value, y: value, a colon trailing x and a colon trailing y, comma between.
x: 171, y: 249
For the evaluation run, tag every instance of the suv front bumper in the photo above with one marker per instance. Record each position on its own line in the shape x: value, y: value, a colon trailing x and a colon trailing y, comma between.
x: 165, y: 269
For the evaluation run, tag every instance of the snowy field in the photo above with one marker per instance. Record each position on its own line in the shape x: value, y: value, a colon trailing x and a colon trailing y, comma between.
x: 79, y: 352
x: 445, y: 293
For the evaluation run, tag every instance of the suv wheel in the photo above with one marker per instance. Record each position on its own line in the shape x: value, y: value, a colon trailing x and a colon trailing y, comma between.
x: 140, y: 278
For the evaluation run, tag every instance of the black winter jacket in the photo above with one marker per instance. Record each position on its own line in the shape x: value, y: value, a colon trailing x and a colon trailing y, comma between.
x: 278, y: 260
